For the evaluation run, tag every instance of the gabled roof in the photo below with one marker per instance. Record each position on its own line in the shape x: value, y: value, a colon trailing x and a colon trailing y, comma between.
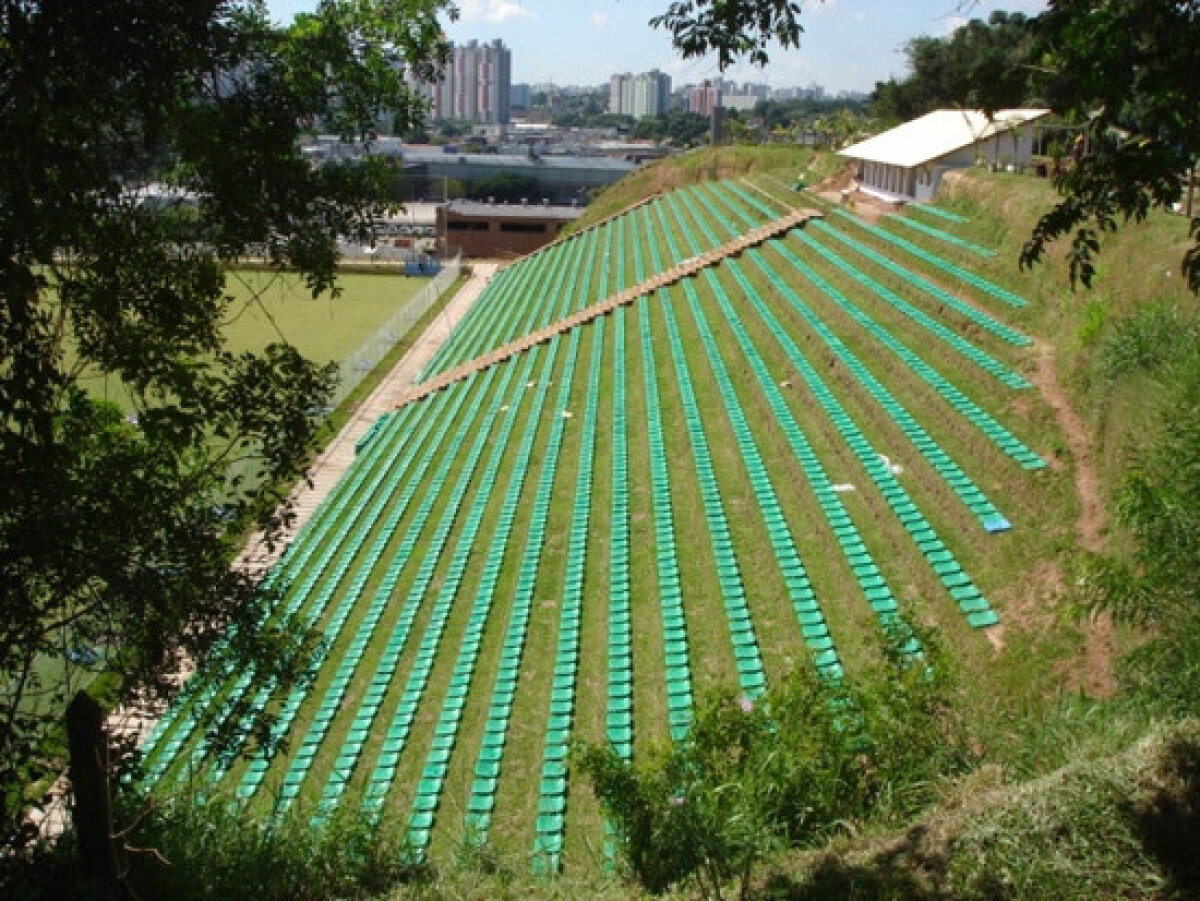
x: 937, y: 134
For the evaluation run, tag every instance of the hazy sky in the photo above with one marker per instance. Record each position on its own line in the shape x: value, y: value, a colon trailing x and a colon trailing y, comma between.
x: 847, y: 44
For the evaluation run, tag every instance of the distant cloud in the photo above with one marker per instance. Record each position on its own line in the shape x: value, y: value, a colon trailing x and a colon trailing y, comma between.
x: 493, y: 10
x: 599, y: 19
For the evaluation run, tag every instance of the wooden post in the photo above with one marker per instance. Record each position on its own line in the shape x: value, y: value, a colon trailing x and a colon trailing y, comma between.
x: 92, y: 812
x: 1191, y: 187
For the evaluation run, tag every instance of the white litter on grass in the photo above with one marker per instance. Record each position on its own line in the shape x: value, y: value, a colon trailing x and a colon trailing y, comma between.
x: 785, y: 384
x: 504, y: 409
x: 567, y: 414
x: 843, y: 486
x: 895, y: 468
x: 530, y: 384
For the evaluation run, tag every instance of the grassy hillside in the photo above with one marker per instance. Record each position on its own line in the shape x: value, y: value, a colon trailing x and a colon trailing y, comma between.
x: 865, y: 424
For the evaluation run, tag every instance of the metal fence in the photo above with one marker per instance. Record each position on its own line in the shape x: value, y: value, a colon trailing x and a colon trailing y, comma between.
x: 355, y: 367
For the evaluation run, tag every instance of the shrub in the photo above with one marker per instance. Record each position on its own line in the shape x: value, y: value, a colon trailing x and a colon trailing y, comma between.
x: 785, y: 770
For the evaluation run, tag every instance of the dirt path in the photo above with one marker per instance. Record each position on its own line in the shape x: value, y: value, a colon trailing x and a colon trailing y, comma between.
x: 1099, y: 648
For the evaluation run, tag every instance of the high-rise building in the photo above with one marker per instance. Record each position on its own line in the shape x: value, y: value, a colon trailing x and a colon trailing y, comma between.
x: 704, y: 98
x: 476, y: 85
x: 639, y: 96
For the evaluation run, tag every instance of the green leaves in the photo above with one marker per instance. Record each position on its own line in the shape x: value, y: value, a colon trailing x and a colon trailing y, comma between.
x: 1129, y: 71
x: 789, y: 769
x: 148, y: 144
x: 731, y: 28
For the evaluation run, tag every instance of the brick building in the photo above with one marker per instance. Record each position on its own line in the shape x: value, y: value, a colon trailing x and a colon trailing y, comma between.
x: 500, y: 229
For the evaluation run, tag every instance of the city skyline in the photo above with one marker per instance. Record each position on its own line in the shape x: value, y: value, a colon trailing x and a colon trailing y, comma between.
x: 848, y: 45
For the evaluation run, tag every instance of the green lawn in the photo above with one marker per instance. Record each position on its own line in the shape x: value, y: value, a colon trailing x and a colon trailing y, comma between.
x: 268, y: 306
x: 271, y: 306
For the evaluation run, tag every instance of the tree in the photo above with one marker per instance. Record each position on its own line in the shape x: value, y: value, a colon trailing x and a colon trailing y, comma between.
x: 118, y: 525
x: 1128, y: 71
x: 980, y: 65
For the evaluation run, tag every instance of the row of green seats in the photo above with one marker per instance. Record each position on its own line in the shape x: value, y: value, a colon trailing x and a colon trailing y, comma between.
x: 497, y: 315
x: 619, y: 709
x: 975, y: 315
x: 479, y: 327
x: 936, y: 211
x: 676, y: 652
x: 748, y: 660
x: 550, y: 828
x: 379, y: 781
x: 943, y: 463
x: 948, y: 336
x: 972, y: 412
x: 970, y: 601
x: 382, y: 678
x: 440, y: 414
x: 995, y: 432
x: 257, y: 770
x: 352, y: 656
x: 400, y: 481
x: 203, y: 685
x: 858, y: 557
x: 800, y: 592
x: 355, y: 740
x: 301, y: 598
x: 940, y: 235
x: 989, y: 288
x: 487, y: 773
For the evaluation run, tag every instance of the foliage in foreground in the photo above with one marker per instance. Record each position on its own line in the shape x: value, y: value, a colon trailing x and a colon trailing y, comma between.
x: 1123, y: 826
x: 1158, y: 503
x: 190, y: 847
x: 788, y: 769
x: 149, y: 144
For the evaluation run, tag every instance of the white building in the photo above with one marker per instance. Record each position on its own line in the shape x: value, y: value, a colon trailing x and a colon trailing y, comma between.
x: 907, y: 162
x: 639, y: 96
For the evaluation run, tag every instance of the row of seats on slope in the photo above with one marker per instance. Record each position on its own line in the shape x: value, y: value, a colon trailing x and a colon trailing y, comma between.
x: 975, y: 500
x: 487, y: 771
x: 813, y: 628
x: 379, y: 782
x: 293, y: 561
x: 552, y: 785
x: 800, y: 592
x: 347, y: 668
x: 676, y: 652
x: 940, y: 235
x: 966, y: 310
x: 302, y: 603
x: 998, y: 434
x: 969, y: 599
x: 619, y: 709
x: 482, y: 797
x: 382, y: 774
x: 748, y: 660
x: 858, y: 557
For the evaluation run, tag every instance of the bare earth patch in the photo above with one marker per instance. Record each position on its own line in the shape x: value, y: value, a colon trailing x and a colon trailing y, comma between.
x: 1097, y: 676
